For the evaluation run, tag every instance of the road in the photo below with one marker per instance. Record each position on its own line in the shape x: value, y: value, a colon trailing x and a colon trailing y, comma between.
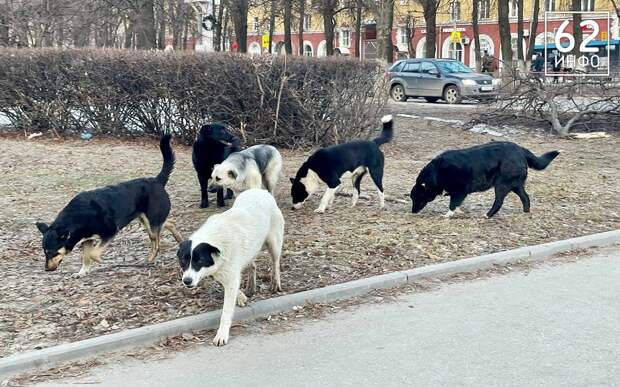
x: 556, y: 325
x: 440, y: 109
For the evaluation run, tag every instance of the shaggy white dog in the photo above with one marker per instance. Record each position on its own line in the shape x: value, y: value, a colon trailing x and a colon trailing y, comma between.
x: 227, y: 243
x: 259, y: 166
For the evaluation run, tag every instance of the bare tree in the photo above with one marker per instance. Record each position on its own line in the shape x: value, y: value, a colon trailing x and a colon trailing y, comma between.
x: 145, y: 27
x: 385, y: 23
x: 520, y: 38
x: 576, y: 6
x: 475, y: 10
x: 302, y: 19
x: 533, y: 30
x: 429, y: 8
x: 359, y: 9
x: 328, y: 11
x: 504, y: 33
x: 239, y: 13
x: 288, y: 21
x: 410, y: 32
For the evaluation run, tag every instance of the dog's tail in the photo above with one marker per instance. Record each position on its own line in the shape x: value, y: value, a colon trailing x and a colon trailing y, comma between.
x: 388, y: 131
x: 539, y: 163
x: 168, y: 155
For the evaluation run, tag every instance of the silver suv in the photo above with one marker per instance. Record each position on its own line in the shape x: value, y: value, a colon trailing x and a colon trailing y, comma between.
x: 436, y: 79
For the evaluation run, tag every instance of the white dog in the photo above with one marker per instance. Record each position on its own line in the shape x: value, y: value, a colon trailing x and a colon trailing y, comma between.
x: 259, y: 166
x: 227, y: 243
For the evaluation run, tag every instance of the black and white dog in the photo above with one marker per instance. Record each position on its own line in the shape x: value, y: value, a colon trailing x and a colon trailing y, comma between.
x: 213, y: 145
x: 95, y: 217
x: 502, y: 165
x: 229, y: 242
x: 258, y: 166
x: 328, y: 165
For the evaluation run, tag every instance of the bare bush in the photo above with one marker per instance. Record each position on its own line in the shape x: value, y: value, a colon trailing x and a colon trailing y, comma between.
x: 589, y: 103
x: 281, y: 100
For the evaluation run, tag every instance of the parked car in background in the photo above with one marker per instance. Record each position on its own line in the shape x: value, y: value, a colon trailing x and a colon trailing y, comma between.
x: 435, y: 79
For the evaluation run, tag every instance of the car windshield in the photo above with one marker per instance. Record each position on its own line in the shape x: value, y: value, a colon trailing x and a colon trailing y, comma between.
x: 453, y: 66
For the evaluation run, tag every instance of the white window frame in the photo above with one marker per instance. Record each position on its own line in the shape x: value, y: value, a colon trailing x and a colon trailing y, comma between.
x: 513, y: 8
x: 307, y: 22
x: 550, y: 5
x: 255, y: 24
x: 402, y: 38
x: 486, y: 8
x: 455, y: 10
x: 587, y: 5
x: 454, y: 52
x: 345, y: 43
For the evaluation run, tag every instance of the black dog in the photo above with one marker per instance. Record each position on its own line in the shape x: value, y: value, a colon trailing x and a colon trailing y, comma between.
x: 95, y: 217
x: 328, y: 165
x: 502, y: 165
x: 213, y: 145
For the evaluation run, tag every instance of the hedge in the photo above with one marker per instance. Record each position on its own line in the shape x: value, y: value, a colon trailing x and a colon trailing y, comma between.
x: 285, y: 101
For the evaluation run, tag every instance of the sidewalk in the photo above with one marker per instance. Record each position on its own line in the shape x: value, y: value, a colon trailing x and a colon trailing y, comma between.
x: 554, y: 326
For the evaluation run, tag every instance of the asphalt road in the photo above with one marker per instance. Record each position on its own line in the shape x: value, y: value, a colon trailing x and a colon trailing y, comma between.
x: 554, y: 326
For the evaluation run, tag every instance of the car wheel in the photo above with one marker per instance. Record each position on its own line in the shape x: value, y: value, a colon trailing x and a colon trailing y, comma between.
x: 431, y: 99
x: 452, y: 95
x: 398, y: 93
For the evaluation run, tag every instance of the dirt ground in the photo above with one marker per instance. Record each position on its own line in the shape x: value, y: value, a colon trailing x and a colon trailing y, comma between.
x: 577, y: 195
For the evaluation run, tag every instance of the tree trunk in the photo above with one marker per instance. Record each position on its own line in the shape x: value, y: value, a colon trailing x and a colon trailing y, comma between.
x: 146, y: 25
x: 386, y: 50
x: 504, y: 34
x: 161, y: 25
x: 476, y: 27
x: 272, y: 24
x: 217, y: 27
x: 410, y: 30
x: 288, y: 16
x: 520, y: 38
x: 327, y: 11
x: 239, y: 9
x: 358, y: 28
x: 129, y: 28
x: 430, y: 17
x: 533, y: 31
x: 302, y: 16
x: 576, y: 6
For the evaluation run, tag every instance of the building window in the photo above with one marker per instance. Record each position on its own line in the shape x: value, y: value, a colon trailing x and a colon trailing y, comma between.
x: 255, y: 24
x: 455, y: 51
x: 345, y: 38
x: 485, y: 45
x: 402, y: 32
x: 587, y: 5
x: 455, y: 10
x: 307, y: 22
x: 484, y: 9
x: 513, y: 6
x: 307, y: 49
x: 549, y: 5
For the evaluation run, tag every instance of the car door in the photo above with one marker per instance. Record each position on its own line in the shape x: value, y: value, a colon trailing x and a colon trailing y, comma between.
x: 410, y: 74
x: 430, y: 82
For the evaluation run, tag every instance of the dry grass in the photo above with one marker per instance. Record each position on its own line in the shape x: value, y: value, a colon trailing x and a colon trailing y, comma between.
x: 577, y: 195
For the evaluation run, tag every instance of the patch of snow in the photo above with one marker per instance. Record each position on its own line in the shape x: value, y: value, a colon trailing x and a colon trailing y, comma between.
x: 485, y: 129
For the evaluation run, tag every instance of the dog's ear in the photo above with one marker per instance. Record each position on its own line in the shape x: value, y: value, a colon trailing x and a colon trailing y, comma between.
x: 42, y: 227
x: 232, y: 175
x: 292, y: 179
x: 205, y: 253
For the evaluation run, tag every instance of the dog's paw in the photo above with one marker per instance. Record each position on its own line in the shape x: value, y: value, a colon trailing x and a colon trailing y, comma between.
x: 204, y: 204
x: 319, y: 211
x: 448, y: 214
x: 79, y: 274
x: 221, y: 338
x: 242, y: 299
x: 275, y: 288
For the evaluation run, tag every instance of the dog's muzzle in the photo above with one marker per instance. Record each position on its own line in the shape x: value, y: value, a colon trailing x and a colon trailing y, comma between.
x: 188, y: 282
x: 52, y: 264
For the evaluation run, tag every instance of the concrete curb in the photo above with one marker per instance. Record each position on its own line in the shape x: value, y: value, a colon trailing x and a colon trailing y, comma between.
x: 48, y: 357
